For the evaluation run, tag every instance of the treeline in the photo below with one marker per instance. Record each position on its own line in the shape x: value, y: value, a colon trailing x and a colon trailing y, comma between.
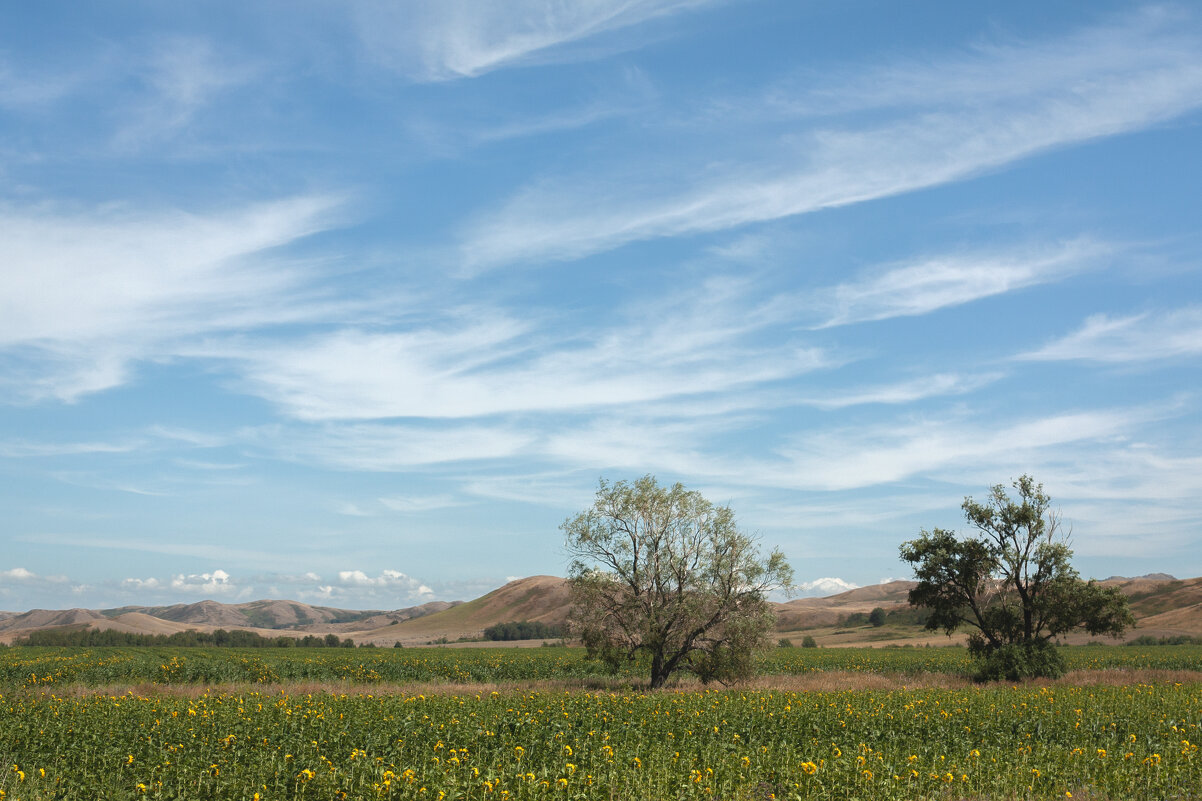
x: 900, y: 615
x: 95, y: 638
x: 523, y: 630
x: 1178, y: 639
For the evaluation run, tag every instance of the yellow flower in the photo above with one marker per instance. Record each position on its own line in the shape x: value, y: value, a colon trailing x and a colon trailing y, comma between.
x: 809, y: 768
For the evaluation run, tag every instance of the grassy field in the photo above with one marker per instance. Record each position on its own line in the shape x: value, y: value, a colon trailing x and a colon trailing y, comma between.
x: 155, y: 730
x: 114, y: 667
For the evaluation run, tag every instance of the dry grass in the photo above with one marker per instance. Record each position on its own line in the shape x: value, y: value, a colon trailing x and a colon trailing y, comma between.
x: 829, y: 681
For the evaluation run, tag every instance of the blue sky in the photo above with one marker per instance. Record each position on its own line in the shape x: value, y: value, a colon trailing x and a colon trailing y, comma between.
x: 354, y: 303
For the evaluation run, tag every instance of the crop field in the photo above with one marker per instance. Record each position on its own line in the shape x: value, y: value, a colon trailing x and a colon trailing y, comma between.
x: 104, y: 667
x: 252, y: 739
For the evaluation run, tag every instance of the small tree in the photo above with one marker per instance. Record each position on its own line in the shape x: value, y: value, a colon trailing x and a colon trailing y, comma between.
x: 877, y: 617
x: 663, y: 572
x: 1013, y: 586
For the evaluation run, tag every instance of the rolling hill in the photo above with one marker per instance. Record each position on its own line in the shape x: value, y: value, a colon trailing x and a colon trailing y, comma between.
x: 1163, y: 605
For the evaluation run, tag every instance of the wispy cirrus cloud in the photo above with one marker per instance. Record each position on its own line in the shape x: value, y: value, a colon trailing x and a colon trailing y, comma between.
x: 920, y: 287
x: 1148, y: 337
x: 931, y: 386
x: 479, y: 361
x: 84, y: 293
x: 412, y: 504
x: 435, y: 40
x: 179, y: 76
x: 883, y: 454
x: 1113, y: 79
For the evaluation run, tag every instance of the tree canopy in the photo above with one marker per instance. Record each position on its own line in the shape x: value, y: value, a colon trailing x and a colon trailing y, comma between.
x: 662, y: 572
x: 1012, y: 585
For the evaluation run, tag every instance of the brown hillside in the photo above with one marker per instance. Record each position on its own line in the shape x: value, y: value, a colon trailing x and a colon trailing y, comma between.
x: 542, y: 599
x: 810, y: 613
x: 1164, y: 606
x: 48, y: 618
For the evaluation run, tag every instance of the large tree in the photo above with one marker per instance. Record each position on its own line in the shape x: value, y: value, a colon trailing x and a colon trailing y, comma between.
x: 1012, y: 585
x: 662, y: 572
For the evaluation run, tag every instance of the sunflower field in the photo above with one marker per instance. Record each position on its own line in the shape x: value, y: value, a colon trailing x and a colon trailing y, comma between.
x: 60, y: 740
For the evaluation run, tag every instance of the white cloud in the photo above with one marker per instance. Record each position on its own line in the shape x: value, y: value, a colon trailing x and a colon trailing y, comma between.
x: 18, y: 574
x: 214, y: 583
x: 477, y: 362
x: 84, y: 294
x: 1117, y: 79
x: 1137, y: 338
x: 924, y: 286
x: 392, y: 581
x: 935, y: 385
x: 419, y: 503
x: 823, y: 586
x: 351, y: 510
x: 180, y: 76
x: 889, y: 452
x: 22, y: 90
x: 385, y: 447
x: 141, y: 584
x: 444, y: 39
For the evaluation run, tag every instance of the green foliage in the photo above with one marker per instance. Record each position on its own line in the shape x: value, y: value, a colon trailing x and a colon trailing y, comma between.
x: 54, y: 668
x: 853, y: 619
x: 877, y: 617
x: 808, y: 641
x: 98, y: 638
x: 1177, y: 639
x: 523, y: 630
x: 1022, y: 661
x: 784, y: 642
x: 661, y: 573
x: 1013, y: 586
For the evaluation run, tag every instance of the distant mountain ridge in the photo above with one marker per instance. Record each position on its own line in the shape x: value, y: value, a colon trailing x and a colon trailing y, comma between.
x: 1163, y: 605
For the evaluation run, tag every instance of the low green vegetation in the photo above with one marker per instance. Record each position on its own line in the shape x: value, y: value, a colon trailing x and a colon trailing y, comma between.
x: 523, y: 630
x: 236, y: 638
x: 206, y: 723
x: 53, y: 668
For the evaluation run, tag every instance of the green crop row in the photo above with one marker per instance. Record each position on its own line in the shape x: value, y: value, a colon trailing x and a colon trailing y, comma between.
x: 104, y: 667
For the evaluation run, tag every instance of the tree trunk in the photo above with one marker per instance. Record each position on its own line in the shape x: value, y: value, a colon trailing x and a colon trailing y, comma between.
x: 659, y: 671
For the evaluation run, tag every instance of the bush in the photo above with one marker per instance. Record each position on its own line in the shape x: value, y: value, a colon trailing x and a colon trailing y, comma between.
x: 723, y: 664
x: 877, y: 617
x: 1020, y: 661
x: 808, y: 642
x: 785, y: 642
x: 523, y: 630
x: 1176, y: 639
